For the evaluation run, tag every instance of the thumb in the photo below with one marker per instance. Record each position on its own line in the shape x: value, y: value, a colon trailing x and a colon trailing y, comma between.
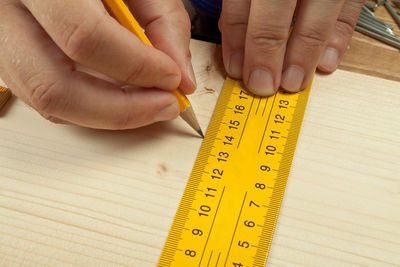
x: 102, y: 44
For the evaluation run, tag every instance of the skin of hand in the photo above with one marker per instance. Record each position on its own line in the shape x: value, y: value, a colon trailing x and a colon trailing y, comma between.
x: 74, y: 63
x: 258, y: 48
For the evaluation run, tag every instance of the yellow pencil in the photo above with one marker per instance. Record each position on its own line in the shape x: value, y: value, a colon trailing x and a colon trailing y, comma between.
x: 125, y: 17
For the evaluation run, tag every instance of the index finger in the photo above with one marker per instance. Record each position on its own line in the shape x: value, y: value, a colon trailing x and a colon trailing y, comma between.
x: 88, y: 35
x: 167, y: 25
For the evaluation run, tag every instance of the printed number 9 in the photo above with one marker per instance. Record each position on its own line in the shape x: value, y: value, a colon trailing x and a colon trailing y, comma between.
x: 265, y: 168
x: 197, y: 232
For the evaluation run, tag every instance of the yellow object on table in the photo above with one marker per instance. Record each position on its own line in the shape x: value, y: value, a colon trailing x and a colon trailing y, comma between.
x: 5, y: 94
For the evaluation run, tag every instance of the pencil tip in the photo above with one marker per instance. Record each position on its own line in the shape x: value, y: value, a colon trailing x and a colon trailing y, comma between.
x: 200, y: 132
x: 189, y: 116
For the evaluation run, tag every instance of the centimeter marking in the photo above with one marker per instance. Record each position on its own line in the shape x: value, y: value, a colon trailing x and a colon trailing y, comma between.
x: 230, y: 206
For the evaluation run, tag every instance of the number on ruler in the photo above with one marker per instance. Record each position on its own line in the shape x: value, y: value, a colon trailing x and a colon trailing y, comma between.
x: 197, y: 232
x: 210, y: 189
x: 243, y: 94
x: 253, y: 203
x: 244, y: 244
x: 260, y: 186
x: 229, y: 138
x: 239, y: 109
x: 279, y: 118
x: 274, y: 134
x: 205, y: 210
x: 223, y: 156
x: 234, y: 124
x: 190, y: 253
x: 249, y: 223
x: 265, y: 168
x: 218, y: 173
x: 270, y: 150
x: 283, y: 103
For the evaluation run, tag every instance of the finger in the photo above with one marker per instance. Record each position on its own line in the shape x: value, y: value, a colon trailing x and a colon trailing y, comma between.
x: 89, y: 36
x: 266, y: 39
x: 46, y: 78
x: 167, y: 25
x: 54, y: 119
x: 233, y: 26
x: 341, y: 35
x: 87, y: 101
x: 315, y: 22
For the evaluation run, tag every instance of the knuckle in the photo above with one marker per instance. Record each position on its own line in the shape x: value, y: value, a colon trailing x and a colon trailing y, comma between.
x: 233, y: 20
x: 229, y: 26
x: 272, y: 40
x: 311, y: 38
x: 174, y: 14
x: 81, y: 39
x: 345, y: 27
x: 45, y: 96
x: 347, y: 20
x: 123, y: 120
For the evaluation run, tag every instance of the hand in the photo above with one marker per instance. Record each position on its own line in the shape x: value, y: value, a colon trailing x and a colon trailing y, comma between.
x: 44, y: 43
x: 257, y: 46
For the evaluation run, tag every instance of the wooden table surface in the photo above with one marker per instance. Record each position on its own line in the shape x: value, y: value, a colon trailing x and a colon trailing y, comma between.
x: 71, y: 196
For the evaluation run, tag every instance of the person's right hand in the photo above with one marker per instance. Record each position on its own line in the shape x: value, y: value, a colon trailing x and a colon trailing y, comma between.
x: 43, y: 41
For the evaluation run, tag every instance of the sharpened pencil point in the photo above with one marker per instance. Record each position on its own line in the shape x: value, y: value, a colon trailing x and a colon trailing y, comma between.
x: 189, y: 116
x: 200, y: 132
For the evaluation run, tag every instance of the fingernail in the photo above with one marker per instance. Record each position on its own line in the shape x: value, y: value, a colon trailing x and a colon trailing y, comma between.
x: 292, y: 78
x: 168, y: 113
x: 190, y: 72
x: 236, y: 65
x: 169, y: 82
x: 261, y: 82
x: 329, y: 60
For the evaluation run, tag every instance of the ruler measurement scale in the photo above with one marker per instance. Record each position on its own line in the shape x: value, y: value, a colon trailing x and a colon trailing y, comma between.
x: 228, y: 212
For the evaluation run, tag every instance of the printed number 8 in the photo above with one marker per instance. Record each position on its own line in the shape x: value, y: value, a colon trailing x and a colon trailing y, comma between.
x: 190, y: 253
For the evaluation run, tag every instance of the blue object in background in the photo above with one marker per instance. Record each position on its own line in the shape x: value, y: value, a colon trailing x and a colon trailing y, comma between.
x: 208, y: 7
x: 204, y: 15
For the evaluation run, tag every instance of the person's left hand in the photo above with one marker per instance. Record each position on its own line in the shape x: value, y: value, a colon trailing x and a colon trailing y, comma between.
x: 257, y: 46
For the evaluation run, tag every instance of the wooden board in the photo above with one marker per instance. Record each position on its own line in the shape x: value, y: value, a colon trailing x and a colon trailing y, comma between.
x: 78, y: 197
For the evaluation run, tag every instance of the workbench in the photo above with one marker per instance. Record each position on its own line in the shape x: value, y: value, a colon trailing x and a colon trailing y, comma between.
x: 71, y: 196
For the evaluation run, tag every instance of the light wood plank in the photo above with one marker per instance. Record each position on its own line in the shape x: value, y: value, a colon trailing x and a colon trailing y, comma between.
x: 78, y: 197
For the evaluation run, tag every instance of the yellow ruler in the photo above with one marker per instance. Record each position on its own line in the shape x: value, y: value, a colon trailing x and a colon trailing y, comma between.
x: 5, y: 94
x: 230, y: 207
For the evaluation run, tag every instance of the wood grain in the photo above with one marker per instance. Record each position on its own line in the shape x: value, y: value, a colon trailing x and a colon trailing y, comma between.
x: 78, y: 197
